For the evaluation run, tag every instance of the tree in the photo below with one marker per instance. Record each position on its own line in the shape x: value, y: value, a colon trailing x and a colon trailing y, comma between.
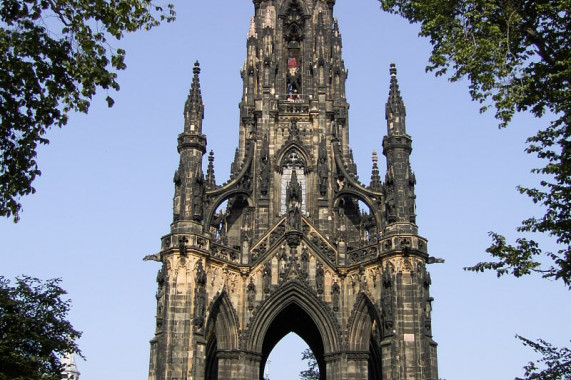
x: 556, y: 360
x: 55, y: 55
x: 34, y: 332
x: 312, y: 371
x: 516, y: 56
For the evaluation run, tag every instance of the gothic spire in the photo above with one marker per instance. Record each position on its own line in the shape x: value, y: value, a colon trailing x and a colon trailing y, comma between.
x: 397, y: 147
x: 395, y: 105
x: 194, y: 107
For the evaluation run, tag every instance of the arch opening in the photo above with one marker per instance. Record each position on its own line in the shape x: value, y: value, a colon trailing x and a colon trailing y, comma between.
x: 286, y: 360
x: 293, y: 319
x: 232, y: 220
x: 365, y: 335
x: 221, y: 333
x: 356, y: 221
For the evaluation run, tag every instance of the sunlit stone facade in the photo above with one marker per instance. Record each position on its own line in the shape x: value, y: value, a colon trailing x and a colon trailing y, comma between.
x: 293, y: 241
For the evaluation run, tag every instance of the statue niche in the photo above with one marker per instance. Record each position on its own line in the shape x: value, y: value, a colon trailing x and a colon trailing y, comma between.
x: 294, y: 21
x: 292, y: 165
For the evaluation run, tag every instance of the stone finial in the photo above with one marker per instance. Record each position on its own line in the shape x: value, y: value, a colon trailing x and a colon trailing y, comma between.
x: 194, y: 106
x: 210, y: 179
x: 395, y: 104
x: 375, y: 176
x: 268, y: 18
x: 252, y: 30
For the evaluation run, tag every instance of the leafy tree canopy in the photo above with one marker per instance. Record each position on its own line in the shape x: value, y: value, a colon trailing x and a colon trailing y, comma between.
x: 554, y: 364
x: 55, y: 55
x: 516, y: 56
x: 312, y: 371
x: 34, y: 332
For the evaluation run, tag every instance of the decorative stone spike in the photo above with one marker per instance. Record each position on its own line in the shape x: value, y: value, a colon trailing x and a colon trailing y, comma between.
x: 210, y: 179
x: 194, y: 106
x: 252, y: 31
x: 395, y: 104
x: 376, y: 184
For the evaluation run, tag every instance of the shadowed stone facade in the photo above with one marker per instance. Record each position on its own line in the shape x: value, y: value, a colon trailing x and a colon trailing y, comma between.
x: 293, y: 241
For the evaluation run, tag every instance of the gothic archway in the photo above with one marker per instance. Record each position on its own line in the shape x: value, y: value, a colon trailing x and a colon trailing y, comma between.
x: 365, y: 334
x: 221, y: 333
x: 294, y: 319
x: 294, y: 308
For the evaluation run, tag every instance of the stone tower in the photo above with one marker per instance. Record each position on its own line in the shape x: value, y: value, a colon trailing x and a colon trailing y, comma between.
x: 293, y: 241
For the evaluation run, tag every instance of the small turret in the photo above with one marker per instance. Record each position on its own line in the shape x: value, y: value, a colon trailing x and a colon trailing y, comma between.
x: 191, y: 147
x: 397, y: 147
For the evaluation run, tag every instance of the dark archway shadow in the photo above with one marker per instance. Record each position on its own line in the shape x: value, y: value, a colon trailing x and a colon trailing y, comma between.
x: 294, y: 319
x: 211, y: 360
x: 375, y: 360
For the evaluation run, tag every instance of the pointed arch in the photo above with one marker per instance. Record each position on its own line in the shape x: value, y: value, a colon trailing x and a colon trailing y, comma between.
x: 347, y: 192
x: 296, y: 294
x: 362, y: 323
x: 294, y: 146
x: 222, y: 323
x: 287, y: 4
x: 221, y: 199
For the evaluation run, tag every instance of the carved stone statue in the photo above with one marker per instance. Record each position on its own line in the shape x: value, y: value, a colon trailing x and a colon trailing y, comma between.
x: 251, y: 294
x: 322, y: 170
x: 319, y: 274
x: 197, y: 195
x: 335, y: 290
x: 199, y: 296
x: 387, y: 302
x: 267, y: 277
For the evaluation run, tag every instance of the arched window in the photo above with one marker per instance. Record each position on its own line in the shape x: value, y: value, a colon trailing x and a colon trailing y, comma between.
x: 292, y: 162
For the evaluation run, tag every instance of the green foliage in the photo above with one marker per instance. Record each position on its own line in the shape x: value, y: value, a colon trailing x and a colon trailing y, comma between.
x: 34, y: 332
x: 516, y: 56
x: 55, y: 55
x: 556, y: 361
x: 312, y: 371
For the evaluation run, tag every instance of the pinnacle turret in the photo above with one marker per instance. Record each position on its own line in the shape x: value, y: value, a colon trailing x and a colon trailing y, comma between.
x: 376, y: 184
x: 194, y: 107
x: 252, y: 30
x: 397, y: 147
x: 395, y: 106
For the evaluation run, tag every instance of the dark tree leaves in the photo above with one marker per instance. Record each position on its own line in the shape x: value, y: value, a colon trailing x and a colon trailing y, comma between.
x: 312, y: 371
x: 55, y: 55
x: 555, y: 362
x: 34, y: 332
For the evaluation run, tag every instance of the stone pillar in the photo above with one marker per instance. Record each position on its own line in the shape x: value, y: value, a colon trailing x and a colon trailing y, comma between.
x: 357, y: 366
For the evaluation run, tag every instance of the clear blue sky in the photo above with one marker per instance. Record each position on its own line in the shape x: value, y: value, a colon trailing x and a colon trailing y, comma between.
x: 104, y: 198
